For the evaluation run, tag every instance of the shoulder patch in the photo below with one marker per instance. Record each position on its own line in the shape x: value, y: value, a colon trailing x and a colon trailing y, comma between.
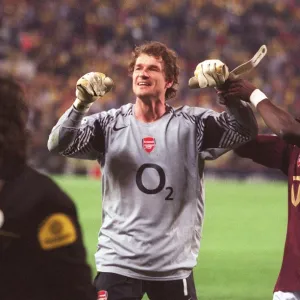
x: 56, y: 231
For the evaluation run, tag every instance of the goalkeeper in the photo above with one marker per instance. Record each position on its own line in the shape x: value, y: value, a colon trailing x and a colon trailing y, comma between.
x: 152, y: 157
x: 41, y: 250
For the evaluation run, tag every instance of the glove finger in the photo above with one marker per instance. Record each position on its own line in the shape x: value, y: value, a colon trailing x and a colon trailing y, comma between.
x: 210, y: 74
x: 197, y: 70
x: 211, y: 68
x: 100, y: 87
x: 82, y: 93
x: 89, y: 77
x: 213, y: 72
x: 220, y: 72
x: 85, y: 84
x: 216, y: 73
x: 97, y: 85
x: 205, y: 66
x: 202, y: 78
x: 94, y: 83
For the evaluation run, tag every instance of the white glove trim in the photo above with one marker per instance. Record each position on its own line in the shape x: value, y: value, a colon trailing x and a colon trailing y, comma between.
x: 82, y: 107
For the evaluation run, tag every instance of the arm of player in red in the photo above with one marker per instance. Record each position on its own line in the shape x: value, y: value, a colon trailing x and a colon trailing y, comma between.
x: 279, y: 121
x: 267, y: 150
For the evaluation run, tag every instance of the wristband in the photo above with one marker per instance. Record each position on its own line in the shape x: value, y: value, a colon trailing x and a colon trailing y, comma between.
x: 257, y: 96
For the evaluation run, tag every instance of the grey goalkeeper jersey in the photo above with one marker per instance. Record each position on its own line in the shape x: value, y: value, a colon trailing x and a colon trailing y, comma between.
x: 152, y: 185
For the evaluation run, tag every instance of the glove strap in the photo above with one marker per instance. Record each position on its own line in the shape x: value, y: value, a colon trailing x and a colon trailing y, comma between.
x: 82, y: 107
x: 257, y: 96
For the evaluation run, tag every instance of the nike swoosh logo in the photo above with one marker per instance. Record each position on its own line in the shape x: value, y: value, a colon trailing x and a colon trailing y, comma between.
x: 115, y: 128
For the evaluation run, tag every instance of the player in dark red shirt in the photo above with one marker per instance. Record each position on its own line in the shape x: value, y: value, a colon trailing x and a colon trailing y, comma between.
x: 273, y: 152
x: 280, y: 152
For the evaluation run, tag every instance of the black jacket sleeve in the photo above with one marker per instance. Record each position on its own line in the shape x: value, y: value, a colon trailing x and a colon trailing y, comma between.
x: 60, y: 246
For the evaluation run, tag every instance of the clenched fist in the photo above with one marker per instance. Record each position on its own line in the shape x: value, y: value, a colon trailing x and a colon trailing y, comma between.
x: 211, y: 73
x: 89, y: 88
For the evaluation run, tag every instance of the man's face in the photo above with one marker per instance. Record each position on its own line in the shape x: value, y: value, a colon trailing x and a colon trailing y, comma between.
x: 148, y: 78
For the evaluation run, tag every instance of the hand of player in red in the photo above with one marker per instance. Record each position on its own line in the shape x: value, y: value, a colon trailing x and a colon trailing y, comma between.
x: 235, y: 88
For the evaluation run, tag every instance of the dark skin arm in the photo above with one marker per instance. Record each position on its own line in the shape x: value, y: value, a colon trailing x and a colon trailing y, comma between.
x: 279, y: 121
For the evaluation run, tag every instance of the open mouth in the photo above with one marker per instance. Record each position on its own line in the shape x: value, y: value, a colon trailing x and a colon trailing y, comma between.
x: 143, y: 84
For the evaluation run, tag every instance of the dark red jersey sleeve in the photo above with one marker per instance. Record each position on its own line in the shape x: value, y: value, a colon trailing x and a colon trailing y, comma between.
x: 267, y: 150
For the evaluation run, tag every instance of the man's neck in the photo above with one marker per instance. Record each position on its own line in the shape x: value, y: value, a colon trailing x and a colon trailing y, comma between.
x: 148, y: 112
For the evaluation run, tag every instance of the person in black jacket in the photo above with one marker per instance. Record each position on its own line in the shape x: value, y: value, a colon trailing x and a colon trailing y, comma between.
x: 42, y: 255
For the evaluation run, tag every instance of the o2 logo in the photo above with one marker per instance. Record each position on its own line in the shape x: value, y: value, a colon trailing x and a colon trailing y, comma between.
x: 161, y: 185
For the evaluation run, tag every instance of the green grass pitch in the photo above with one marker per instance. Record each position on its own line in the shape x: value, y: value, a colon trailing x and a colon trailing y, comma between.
x: 243, y: 236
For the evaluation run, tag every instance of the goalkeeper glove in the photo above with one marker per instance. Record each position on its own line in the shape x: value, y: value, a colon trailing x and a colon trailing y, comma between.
x: 211, y: 73
x: 89, y: 88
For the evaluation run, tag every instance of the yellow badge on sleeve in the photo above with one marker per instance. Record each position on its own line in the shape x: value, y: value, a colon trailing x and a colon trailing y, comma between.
x: 56, y: 231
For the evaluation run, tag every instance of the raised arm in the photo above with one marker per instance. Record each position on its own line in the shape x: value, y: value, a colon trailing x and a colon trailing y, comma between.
x: 279, y: 121
x: 221, y: 132
x: 74, y: 135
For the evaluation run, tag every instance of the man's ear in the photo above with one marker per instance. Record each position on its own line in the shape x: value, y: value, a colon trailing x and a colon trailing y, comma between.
x: 169, y: 84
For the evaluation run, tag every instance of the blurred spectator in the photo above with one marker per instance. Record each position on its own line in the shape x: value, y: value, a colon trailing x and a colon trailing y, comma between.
x: 49, y: 44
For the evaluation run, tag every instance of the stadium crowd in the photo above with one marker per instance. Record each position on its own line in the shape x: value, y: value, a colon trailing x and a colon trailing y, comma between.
x: 48, y: 45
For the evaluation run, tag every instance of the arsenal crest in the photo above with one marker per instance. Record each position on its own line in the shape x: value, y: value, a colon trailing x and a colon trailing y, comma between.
x: 102, y: 295
x: 298, y: 161
x: 148, y: 144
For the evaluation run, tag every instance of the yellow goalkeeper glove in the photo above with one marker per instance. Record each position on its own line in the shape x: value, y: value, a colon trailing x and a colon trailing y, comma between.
x: 89, y: 88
